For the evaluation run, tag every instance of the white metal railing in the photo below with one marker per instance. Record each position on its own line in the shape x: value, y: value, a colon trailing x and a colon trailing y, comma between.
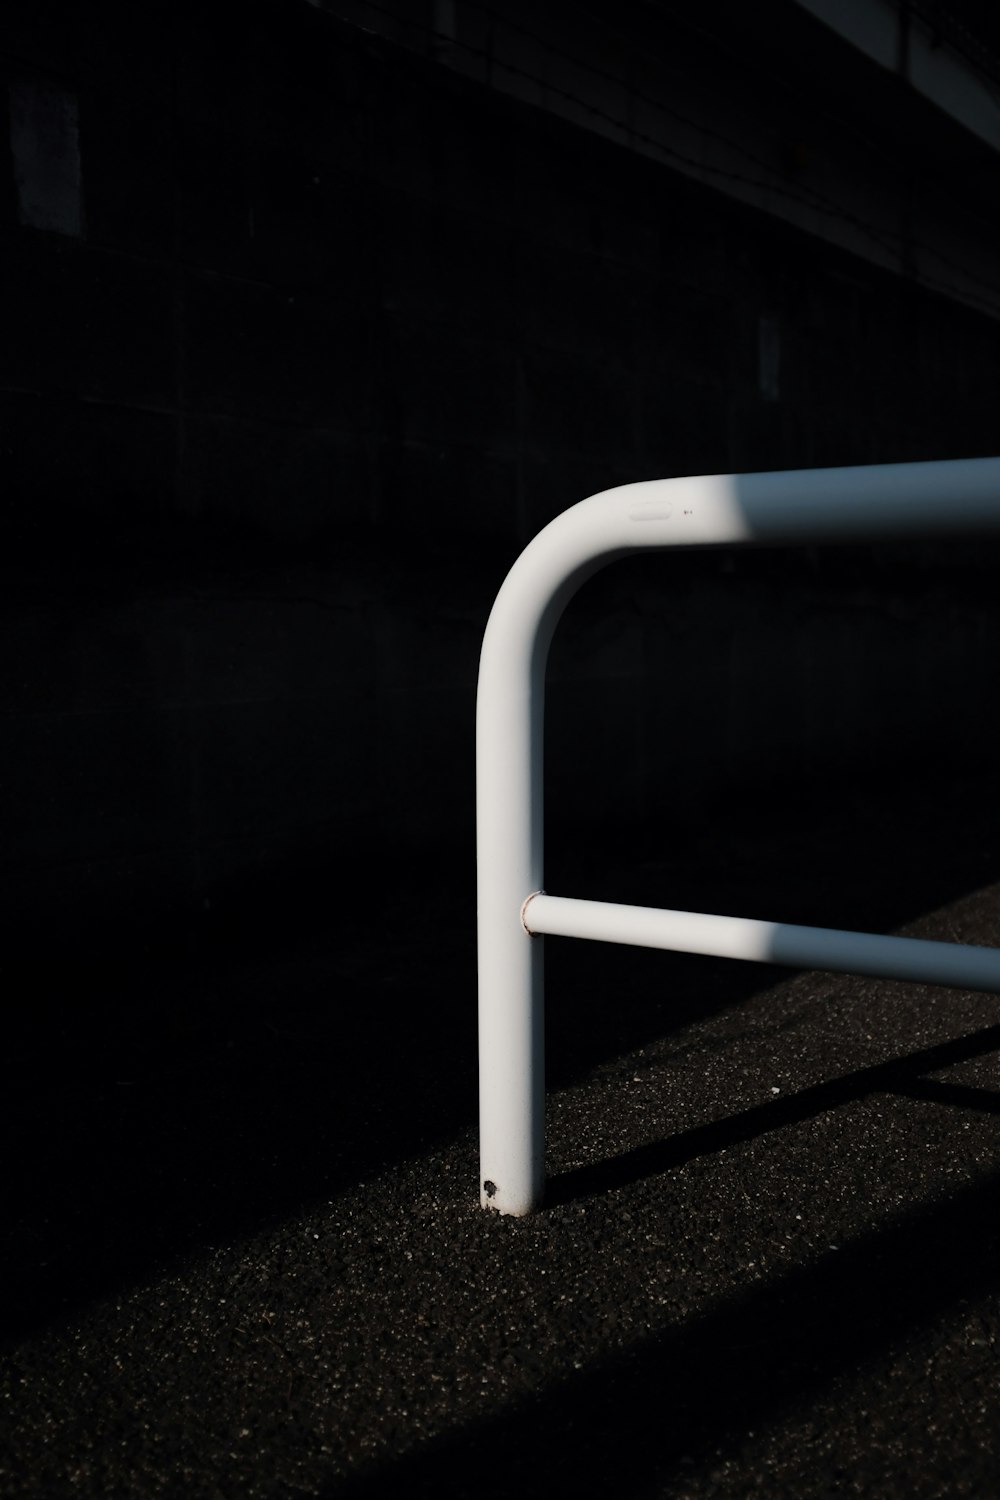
x: 812, y: 505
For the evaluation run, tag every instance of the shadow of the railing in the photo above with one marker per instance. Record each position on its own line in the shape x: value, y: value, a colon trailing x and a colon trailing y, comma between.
x: 899, y: 1075
x: 661, y: 1408
x: 150, y: 1113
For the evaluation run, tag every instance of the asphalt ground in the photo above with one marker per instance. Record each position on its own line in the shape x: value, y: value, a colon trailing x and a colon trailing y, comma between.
x: 244, y: 1254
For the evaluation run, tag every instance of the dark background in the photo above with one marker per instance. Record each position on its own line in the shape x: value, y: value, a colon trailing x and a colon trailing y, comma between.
x: 337, y: 330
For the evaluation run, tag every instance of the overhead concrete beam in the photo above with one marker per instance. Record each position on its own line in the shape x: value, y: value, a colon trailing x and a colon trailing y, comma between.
x: 896, y: 38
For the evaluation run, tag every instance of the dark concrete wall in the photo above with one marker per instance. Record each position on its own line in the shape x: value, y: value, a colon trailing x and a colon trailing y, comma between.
x: 339, y: 332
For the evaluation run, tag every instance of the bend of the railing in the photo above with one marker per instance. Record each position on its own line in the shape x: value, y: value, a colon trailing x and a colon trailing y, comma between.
x: 796, y: 506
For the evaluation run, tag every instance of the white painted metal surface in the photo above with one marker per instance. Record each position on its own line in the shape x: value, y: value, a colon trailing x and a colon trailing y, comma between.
x: 754, y: 509
x: 961, y: 965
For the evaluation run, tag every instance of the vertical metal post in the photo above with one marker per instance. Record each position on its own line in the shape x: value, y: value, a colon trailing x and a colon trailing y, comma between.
x: 509, y: 819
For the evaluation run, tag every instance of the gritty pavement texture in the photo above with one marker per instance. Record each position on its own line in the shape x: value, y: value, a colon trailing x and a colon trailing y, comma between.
x: 245, y: 1255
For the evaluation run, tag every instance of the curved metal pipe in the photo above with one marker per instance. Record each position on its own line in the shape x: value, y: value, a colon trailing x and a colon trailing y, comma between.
x: 812, y: 505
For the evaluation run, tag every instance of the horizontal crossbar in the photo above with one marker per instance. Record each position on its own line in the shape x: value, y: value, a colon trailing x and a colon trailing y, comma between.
x: 958, y: 965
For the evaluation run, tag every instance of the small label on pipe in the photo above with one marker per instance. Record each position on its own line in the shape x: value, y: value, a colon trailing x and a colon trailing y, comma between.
x: 651, y: 510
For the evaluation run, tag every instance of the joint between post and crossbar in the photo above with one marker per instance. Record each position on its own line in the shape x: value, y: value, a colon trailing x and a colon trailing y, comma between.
x: 524, y: 912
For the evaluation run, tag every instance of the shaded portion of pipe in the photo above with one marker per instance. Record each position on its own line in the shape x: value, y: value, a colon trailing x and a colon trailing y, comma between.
x: 959, y: 965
